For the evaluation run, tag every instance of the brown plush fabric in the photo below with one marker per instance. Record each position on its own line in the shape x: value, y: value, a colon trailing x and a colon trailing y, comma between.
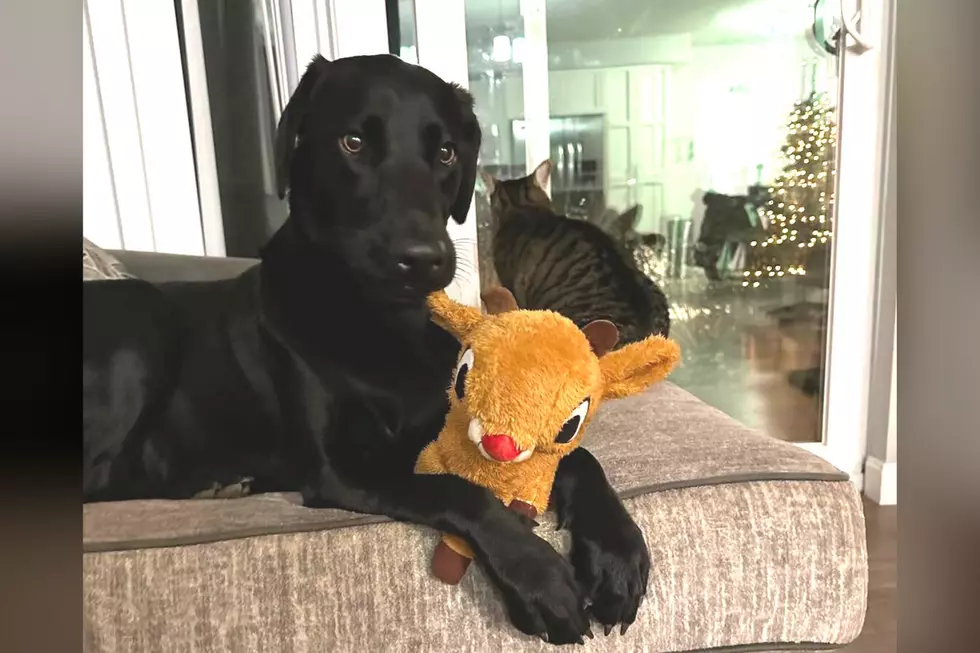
x: 654, y: 441
x: 769, y: 562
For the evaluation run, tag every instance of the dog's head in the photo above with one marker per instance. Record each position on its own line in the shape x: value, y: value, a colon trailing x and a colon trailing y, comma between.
x: 377, y: 155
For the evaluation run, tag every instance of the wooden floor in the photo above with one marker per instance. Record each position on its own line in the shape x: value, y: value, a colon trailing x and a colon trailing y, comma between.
x: 880, y: 625
x: 738, y: 357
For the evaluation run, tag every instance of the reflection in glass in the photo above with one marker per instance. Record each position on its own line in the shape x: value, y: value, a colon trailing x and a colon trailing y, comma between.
x: 244, y: 43
x: 711, y: 126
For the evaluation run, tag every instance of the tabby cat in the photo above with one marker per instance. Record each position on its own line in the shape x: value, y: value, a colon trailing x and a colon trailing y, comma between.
x: 549, y: 261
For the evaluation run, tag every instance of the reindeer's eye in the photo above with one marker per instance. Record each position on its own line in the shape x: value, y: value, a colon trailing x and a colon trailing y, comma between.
x: 463, y: 367
x: 573, y: 425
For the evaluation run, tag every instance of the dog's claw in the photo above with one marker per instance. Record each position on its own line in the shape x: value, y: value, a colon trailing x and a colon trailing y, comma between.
x: 608, y: 629
x: 544, y: 637
x: 623, y: 629
x: 588, y: 633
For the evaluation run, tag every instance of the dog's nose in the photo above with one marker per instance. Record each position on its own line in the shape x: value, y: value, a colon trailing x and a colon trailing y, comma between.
x: 423, y: 260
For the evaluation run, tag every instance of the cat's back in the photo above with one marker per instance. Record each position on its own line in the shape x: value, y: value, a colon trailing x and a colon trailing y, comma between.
x: 553, y: 262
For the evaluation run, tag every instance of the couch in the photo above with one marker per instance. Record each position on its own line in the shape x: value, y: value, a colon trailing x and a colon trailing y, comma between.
x: 756, y: 544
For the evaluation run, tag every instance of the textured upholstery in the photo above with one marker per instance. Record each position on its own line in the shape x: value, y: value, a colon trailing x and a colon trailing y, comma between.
x: 756, y: 544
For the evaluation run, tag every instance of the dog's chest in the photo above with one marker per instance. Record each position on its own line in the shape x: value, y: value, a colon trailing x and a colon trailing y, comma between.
x: 410, y: 392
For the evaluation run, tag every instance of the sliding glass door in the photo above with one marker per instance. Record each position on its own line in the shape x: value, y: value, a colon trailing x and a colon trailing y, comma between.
x: 740, y: 139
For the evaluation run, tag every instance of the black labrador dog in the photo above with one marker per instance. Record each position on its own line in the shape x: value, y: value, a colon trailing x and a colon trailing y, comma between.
x: 319, y: 369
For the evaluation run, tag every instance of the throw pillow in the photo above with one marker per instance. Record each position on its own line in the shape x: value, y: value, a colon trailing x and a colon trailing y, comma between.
x: 100, y: 264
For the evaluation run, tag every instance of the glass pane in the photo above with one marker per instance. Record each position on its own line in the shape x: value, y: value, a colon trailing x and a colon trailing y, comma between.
x: 711, y: 125
x: 407, y: 48
x: 244, y: 42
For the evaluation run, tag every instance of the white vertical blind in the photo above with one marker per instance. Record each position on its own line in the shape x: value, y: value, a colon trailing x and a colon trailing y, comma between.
x: 164, y: 125
x: 100, y: 218
x: 136, y: 90
x: 107, y: 30
x: 212, y: 225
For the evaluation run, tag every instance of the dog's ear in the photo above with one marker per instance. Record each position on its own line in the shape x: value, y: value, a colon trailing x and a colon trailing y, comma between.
x: 291, y: 120
x: 470, y: 155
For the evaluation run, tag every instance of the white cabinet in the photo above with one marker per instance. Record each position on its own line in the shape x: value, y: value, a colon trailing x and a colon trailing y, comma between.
x: 573, y: 92
x: 635, y: 102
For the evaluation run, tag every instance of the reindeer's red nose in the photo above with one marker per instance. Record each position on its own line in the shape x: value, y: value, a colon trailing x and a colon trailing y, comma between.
x: 500, y: 447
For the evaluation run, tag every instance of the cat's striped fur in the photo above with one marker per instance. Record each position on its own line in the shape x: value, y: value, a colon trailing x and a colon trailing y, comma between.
x: 549, y: 261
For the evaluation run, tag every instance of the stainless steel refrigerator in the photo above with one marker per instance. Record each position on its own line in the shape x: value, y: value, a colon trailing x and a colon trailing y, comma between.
x: 577, y: 152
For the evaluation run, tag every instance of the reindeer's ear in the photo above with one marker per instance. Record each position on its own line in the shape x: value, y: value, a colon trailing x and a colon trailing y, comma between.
x: 458, y: 319
x: 635, y: 367
x: 602, y: 336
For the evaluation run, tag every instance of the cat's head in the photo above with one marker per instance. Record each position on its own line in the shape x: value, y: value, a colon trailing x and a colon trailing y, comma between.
x: 528, y: 191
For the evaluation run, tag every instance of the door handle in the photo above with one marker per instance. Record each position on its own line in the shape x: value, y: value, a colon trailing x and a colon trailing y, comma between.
x: 863, y: 43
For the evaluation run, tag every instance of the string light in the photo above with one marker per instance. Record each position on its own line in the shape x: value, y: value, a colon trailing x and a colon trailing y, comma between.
x: 801, y: 197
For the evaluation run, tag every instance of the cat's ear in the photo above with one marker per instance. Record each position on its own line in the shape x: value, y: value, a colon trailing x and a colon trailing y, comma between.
x: 489, y: 182
x: 635, y: 367
x: 541, y: 174
x: 628, y: 219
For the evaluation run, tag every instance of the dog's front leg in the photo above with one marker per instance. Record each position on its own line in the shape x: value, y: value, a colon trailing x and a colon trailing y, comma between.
x: 610, y: 557
x: 538, y: 586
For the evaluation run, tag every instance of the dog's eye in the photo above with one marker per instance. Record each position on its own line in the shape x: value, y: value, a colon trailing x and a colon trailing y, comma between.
x: 352, y: 143
x: 463, y: 368
x: 447, y: 154
x: 573, y: 425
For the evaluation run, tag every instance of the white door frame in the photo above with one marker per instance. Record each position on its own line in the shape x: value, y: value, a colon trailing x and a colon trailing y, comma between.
x: 860, y: 179
x: 440, y: 27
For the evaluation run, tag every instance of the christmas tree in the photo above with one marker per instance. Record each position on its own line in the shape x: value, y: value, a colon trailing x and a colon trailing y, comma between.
x: 797, y: 217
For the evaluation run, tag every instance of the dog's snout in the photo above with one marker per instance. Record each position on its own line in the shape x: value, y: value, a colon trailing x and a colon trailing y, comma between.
x: 421, y: 262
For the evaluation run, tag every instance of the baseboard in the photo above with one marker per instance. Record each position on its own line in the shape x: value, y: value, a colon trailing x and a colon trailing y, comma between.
x: 881, y: 481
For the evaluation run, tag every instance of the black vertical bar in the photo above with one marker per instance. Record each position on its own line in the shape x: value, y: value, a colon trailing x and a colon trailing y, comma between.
x: 394, y: 27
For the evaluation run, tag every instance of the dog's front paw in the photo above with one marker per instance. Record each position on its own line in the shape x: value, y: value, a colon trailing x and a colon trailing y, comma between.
x: 541, y: 593
x: 612, y: 564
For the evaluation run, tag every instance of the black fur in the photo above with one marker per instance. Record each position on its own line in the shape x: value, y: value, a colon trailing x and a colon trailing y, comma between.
x: 319, y: 371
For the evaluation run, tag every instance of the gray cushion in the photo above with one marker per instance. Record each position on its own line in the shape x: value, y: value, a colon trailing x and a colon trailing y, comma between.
x: 178, y: 267
x: 649, y: 443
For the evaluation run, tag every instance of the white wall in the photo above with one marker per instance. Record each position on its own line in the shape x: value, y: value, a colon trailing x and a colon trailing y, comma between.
x: 891, y: 446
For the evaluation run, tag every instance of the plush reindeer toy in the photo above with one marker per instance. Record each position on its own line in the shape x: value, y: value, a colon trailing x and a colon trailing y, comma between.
x: 526, y: 384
